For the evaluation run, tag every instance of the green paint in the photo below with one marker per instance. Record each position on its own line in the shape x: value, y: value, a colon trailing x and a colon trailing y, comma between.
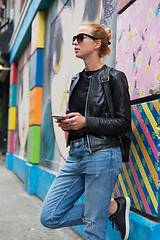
x: 33, y: 148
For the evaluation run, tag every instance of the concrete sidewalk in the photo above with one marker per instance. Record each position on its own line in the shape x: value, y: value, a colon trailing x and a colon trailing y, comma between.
x: 19, y: 212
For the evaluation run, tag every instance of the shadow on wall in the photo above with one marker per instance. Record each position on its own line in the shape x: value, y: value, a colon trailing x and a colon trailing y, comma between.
x: 47, y: 138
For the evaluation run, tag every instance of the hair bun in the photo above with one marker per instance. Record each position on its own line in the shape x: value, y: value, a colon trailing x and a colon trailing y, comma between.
x: 109, y: 33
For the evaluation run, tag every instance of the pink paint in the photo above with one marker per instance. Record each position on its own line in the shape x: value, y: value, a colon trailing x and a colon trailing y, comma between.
x: 141, y: 193
x: 122, y: 5
x: 117, y: 190
x: 139, y: 24
x: 11, y: 141
x: 13, y: 73
x: 145, y: 131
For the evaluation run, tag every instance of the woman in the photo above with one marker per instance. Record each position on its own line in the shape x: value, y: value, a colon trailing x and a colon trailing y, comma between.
x: 94, y: 160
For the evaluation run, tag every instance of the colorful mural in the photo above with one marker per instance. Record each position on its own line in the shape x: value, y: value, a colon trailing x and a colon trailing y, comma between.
x: 22, y: 109
x: 44, y: 72
x: 139, y: 178
x: 64, y: 63
x: 138, y: 56
x: 138, y: 47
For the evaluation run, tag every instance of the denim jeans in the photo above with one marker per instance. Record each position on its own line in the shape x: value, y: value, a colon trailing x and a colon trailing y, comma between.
x: 93, y: 173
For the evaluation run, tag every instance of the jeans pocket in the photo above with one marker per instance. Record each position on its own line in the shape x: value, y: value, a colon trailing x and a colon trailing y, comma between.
x: 106, y: 150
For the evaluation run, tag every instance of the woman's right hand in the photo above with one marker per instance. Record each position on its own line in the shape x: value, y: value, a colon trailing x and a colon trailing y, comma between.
x: 72, y: 121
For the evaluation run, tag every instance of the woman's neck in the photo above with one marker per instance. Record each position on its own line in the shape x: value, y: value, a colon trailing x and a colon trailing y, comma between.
x: 93, y: 65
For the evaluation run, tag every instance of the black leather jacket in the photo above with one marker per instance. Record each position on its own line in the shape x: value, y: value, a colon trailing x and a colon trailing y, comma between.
x: 102, y: 130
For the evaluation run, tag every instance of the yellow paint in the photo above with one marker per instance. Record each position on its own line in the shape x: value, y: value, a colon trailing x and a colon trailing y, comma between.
x: 150, y: 14
x: 142, y: 92
x: 152, y: 42
x: 147, y: 69
x: 128, y: 65
x: 158, y: 131
x: 64, y: 98
x: 149, y: 163
x: 12, y: 118
x: 38, y: 30
x: 131, y: 187
x: 129, y: 35
x: 41, y: 29
x: 144, y: 176
x: 149, y: 115
x: 129, y: 89
x: 158, y: 77
x: 157, y: 106
x: 134, y: 34
x: 122, y: 185
x: 139, y: 61
x: 139, y: 6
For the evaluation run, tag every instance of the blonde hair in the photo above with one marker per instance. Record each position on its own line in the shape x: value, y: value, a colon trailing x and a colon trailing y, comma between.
x: 103, y: 34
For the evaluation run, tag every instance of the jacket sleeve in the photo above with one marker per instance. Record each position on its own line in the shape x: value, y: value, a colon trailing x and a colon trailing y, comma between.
x: 121, y: 123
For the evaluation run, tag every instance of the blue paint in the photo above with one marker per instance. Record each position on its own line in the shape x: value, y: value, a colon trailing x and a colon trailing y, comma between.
x: 36, y: 69
x: 31, y: 177
x: 38, y: 180
x: 134, y: 64
x: 157, y: 11
x: 19, y: 167
x: 24, y: 34
x: 142, y: 228
x: 12, y: 95
x: 24, y: 29
x: 45, y: 179
x: 9, y: 161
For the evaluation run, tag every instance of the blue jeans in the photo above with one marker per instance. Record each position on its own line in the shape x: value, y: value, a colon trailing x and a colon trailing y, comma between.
x: 93, y: 173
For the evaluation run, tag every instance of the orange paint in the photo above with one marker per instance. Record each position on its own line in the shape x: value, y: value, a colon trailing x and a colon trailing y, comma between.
x: 35, y: 106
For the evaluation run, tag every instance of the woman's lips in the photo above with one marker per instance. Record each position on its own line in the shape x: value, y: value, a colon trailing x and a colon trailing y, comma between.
x: 76, y: 49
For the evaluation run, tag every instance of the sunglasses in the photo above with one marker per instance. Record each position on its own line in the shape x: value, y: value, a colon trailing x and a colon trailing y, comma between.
x: 80, y: 37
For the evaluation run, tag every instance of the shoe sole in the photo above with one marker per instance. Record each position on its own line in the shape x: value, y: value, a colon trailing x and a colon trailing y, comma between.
x: 128, y: 203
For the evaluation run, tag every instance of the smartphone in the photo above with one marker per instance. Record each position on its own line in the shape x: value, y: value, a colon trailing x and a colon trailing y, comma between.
x: 58, y: 117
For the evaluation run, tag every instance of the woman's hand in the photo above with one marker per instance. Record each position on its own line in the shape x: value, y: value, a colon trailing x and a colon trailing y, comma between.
x: 72, y: 121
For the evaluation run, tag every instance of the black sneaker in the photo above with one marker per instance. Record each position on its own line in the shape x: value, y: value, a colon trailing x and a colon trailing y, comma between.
x: 120, y: 219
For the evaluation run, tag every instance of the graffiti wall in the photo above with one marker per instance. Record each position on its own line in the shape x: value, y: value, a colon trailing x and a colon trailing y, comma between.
x: 22, y: 102
x: 138, y: 47
x: 138, y: 55
x: 63, y: 65
x: 41, y: 78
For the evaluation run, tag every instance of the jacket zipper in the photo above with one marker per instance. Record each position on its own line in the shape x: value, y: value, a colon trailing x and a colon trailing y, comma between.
x: 90, y: 78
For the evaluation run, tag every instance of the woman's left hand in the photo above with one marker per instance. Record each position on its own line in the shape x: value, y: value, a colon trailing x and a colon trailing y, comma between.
x: 73, y: 121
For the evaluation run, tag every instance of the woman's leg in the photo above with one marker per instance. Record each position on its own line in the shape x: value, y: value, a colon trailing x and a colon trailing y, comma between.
x: 58, y: 209
x: 102, y: 169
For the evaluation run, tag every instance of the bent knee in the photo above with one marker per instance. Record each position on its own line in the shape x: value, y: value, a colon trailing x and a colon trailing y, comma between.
x: 49, y: 222
x: 43, y: 219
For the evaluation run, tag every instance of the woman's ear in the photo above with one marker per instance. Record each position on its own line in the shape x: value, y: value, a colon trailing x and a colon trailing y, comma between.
x: 98, y: 44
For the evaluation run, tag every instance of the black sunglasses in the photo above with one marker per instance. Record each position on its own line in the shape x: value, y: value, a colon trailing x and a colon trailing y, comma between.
x: 80, y: 37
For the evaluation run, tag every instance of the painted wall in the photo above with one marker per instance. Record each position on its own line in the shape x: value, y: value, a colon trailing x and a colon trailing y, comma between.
x: 138, y: 55
x: 22, y: 103
x: 138, y: 47
x: 62, y: 65
x: 40, y: 81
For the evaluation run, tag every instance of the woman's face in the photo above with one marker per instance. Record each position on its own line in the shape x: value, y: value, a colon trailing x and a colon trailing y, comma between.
x: 85, y: 48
